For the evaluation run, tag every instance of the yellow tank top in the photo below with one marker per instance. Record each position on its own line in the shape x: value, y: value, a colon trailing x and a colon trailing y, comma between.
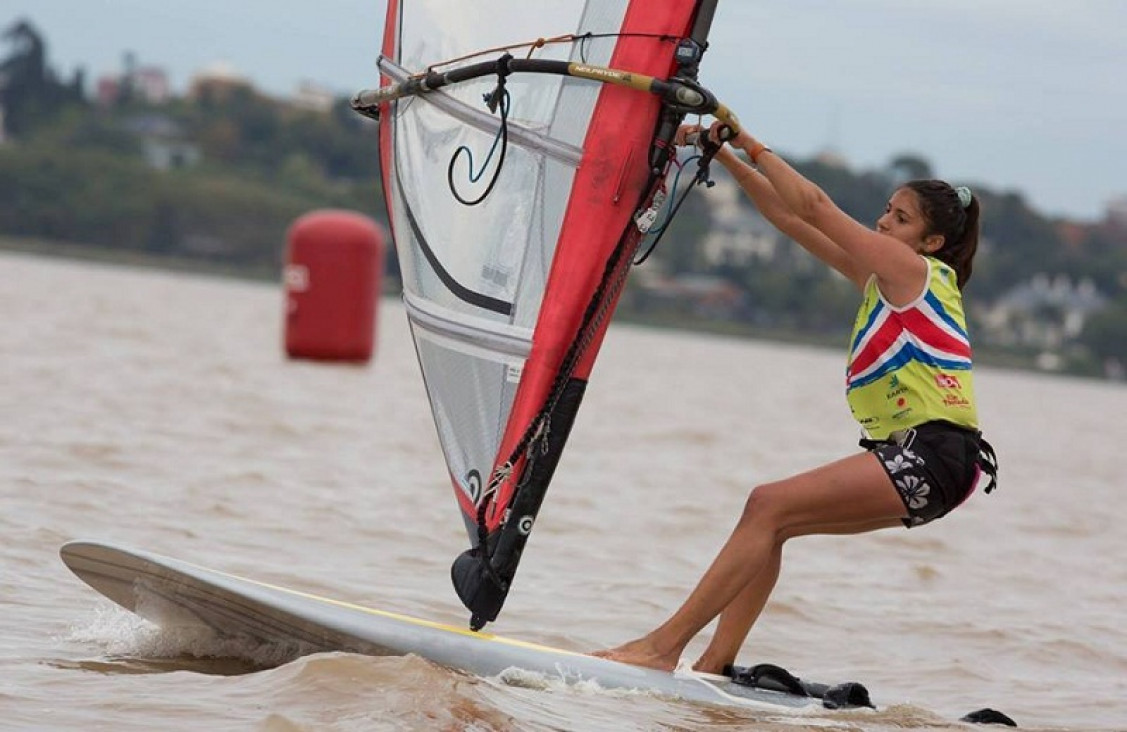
x: 912, y: 364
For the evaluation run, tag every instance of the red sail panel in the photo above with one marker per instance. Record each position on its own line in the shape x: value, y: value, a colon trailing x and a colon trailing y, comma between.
x: 604, y: 197
x: 390, y: 50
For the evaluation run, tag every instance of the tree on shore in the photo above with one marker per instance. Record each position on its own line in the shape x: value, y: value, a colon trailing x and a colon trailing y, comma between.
x: 30, y: 91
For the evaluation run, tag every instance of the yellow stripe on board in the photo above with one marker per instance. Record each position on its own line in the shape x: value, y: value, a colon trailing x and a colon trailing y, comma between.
x: 394, y: 616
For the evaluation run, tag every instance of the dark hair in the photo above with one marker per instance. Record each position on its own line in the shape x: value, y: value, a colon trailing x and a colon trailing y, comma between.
x: 945, y: 215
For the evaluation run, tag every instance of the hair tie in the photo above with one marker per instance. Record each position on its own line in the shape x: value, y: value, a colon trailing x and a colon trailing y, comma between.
x: 965, y: 196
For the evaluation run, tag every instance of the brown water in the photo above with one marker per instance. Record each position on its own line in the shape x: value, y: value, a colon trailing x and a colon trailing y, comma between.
x: 156, y: 410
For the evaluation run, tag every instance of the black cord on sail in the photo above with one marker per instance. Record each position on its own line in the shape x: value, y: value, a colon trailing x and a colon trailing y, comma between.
x: 496, y: 100
x: 709, y: 149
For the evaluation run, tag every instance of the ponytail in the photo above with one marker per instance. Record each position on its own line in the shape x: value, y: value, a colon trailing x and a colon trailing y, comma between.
x: 954, y: 214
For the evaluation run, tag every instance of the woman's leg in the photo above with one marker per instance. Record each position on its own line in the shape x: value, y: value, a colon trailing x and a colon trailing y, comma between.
x: 852, y: 492
x: 740, y: 614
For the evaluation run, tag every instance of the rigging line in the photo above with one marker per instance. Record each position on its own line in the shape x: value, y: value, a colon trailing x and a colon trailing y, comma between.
x: 668, y: 219
x: 497, y: 100
x: 501, y: 138
x: 475, y: 177
x: 541, y: 42
x: 584, y: 39
x: 709, y: 149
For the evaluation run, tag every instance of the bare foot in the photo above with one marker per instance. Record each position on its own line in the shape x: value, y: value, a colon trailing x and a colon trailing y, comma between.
x: 705, y: 665
x: 709, y: 669
x: 639, y: 652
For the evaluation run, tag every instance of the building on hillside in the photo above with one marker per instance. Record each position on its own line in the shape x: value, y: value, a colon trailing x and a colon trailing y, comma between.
x: 1071, y: 233
x: 148, y: 84
x: 1117, y: 212
x: 1045, y: 312
x: 737, y: 234
x: 698, y: 295
x: 831, y: 158
x: 218, y: 82
x: 163, y: 142
x: 151, y: 84
x: 313, y: 97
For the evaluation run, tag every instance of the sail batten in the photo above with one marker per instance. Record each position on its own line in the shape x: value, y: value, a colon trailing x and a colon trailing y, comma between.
x: 510, y: 340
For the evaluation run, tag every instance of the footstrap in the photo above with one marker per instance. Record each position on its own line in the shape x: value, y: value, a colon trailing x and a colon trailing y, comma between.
x: 775, y: 678
x: 988, y: 463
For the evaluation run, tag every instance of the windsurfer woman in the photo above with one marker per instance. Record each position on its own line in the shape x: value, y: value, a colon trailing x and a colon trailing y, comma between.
x: 909, y: 386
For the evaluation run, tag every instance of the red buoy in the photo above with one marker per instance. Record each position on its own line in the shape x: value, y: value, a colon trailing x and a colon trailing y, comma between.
x: 332, y: 276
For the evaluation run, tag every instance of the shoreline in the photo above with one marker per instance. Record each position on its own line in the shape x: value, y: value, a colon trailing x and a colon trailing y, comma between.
x: 984, y: 356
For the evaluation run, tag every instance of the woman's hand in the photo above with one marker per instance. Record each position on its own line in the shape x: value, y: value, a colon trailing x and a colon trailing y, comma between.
x: 718, y: 132
x: 698, y: 135
x: 742, y: 139
x: 687, y: 135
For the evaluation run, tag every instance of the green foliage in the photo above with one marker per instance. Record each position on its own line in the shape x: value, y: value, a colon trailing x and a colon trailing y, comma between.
x: 30, y: 92
x: 57, y: 193
x: 1102, y: 258
x: 118, y: 201
x: 1105, y: 333
x: 81, y: 129
x: 908, y: 166
x: 1021, y: 241
x: 679, y: 249
x: 863, y: 196
x: 93, y: 175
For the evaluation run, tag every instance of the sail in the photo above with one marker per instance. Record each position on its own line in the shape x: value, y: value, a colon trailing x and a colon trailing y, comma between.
x: 513, y: 224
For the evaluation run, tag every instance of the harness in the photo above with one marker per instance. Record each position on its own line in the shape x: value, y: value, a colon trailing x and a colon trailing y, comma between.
x: 987, y: 461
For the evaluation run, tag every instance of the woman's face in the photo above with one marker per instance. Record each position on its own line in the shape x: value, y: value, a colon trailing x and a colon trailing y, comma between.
x: 903, y: 220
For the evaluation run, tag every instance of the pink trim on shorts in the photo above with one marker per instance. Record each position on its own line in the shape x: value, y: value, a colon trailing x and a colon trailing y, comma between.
x: 973, y: 487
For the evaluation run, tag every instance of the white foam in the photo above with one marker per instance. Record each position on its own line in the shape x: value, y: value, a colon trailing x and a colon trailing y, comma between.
x: 523, y: 678
x: 119, y: 632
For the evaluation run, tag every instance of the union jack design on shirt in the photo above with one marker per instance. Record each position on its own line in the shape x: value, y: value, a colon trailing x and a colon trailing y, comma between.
x: 925, y: 332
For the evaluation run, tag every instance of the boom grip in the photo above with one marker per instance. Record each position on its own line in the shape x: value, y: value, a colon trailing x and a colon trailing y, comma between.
x: 376, y: 97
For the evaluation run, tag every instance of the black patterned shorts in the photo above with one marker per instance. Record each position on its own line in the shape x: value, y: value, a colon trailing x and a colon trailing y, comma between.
x: 934, y: 467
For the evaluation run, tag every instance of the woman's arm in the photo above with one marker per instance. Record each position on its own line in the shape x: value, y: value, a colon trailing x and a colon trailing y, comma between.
x: 900, y: 271
x: 775, y: 210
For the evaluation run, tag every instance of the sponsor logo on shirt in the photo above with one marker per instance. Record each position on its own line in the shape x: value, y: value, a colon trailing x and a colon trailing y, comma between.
x: 947, y: 381
x: 896, y: 389
x: 956, y: 400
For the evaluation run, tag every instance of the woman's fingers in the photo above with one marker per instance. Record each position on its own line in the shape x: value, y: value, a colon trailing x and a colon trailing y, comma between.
x: 686, y: 135
x: 717, y: 133
x: 720, y: 132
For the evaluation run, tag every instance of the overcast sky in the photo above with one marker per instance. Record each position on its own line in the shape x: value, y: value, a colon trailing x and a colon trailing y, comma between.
x: 1026, y: 95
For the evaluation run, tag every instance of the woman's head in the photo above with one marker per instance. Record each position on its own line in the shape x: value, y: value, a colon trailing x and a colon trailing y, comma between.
x: 952, y: 214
